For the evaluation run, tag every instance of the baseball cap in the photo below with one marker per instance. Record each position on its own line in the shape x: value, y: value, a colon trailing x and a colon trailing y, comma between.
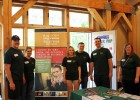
x: 15, y: 37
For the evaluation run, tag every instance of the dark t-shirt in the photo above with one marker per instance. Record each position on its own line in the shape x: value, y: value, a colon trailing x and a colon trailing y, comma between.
x: 71, y: 64
x: 84, y: 58
x: 129, y: 65
x: 100, y: 58
x: 15, y: 58
x: 29, y: 65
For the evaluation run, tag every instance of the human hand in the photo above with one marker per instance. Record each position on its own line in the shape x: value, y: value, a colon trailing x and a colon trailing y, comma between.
x: 119, y: 79
x: 136, y: 79
x: 12, y: 86
x: 79, y: 80
x: 91, y: 78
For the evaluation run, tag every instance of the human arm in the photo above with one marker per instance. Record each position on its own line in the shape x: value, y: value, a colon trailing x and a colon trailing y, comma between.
x: 79, y: 72
x: 64, y: 72
x: 24, y: 80
x: 119, y: 77
x: 91, y: 68
x: 137, y: 74
x: 9, y: 76
x: 110, y: 68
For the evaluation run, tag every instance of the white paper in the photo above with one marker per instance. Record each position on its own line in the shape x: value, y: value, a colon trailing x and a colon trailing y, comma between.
x: 125, y: 95
x: 135, y: 97
x: 96, y: 97
x: 85, y: 98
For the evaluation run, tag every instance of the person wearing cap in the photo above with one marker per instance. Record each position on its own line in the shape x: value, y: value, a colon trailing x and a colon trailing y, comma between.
x: 14, y: 68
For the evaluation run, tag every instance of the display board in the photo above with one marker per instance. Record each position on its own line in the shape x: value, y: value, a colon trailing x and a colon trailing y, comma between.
x: 50, y: 49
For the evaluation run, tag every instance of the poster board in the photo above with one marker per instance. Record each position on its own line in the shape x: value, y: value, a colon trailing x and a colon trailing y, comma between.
x: 50, y: 49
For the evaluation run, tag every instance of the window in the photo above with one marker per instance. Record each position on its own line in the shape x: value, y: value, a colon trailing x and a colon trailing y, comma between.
x: 79, y: 20
x: 55, y: 17
x: 14, y: 10
x: 31, y: 37
x: 35, y: 16
x: 19, y: 32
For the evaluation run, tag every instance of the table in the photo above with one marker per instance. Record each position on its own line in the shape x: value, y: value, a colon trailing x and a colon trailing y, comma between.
x: 77, y: 94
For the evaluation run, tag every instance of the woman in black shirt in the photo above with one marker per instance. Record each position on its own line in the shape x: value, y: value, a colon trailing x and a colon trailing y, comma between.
x: 29, y: 65
x: 72, y: 70
x: 129, y: 72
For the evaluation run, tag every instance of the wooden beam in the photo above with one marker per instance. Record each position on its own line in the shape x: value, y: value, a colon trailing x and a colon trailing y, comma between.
x: 91, y: 4
x: 97, y: 17
x: 23, y: 10
x: 81, y: 29
x: 115, y: 20
x: 1, y: 17
x: 128, y: 23
x: 132, y: 2
x: 108, y: 19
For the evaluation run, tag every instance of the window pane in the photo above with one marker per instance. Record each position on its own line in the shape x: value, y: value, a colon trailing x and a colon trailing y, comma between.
x: 31, y: 37
x: 79, y: 20
x: 19, y: 32
x: 35, y: 16
x: 55, y: 17
x: 14, y: 10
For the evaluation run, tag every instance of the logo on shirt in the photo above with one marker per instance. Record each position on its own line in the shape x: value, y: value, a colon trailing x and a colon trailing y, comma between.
x: 94, y: 54
x: 123, y: 60
x: 101, y: 53
x: 16, y: 55
x: 69, y: 61
x: 26, y: 62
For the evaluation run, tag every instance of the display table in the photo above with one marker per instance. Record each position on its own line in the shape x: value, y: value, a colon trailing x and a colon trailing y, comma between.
x: 101, y: 91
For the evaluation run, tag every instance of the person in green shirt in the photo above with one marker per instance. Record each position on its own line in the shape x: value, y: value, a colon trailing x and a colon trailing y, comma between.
x: 101, y: 63
x: 129, y: 72
x: 14, y: 68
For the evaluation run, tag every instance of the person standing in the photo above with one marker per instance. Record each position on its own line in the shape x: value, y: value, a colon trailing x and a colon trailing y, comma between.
x: 101, y: 63
x: 72, y: 70
x: 129, y: 72
x: 14, y: 68
x: 29, y: 66
x: 84, y: 58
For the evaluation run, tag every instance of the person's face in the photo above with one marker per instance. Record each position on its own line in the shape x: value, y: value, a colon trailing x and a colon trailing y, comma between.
x: 56, y: 72
x: 15, y: 43
x: 71, y: 51
x: 128, y: 49
x: 81, y: 47
x: 29, y: 52
x: 97, y: 43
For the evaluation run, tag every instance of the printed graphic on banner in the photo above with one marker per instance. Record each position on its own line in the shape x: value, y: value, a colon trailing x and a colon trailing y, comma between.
x: 43, y: 66
x: 54, y: 53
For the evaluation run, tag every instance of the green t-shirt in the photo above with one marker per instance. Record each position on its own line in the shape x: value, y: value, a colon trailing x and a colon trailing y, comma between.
x: 129, y: 65
x: 100, y: 58
x: 15, y: 58
x: 84, y: 58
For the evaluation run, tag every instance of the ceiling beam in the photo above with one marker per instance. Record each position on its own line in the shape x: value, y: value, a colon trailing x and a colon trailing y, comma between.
x: 23, y: 10
x: 100, y: 4
x: 133, y: 2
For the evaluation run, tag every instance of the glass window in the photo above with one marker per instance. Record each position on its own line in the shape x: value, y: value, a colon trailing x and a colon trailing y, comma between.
x: 19, y: 32
x: 14, y: 10
x: 31, y: 37
x: 79, y: 20
x: 55, y: 17
x: 35, y: 16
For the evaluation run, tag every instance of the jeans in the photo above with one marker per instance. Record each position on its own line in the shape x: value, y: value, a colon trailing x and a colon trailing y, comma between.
x: 28, y: 91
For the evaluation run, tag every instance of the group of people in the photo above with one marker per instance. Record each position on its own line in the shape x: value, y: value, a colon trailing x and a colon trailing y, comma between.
x: 100, y: 61
x: 20, y: 78
x: 19, y: 71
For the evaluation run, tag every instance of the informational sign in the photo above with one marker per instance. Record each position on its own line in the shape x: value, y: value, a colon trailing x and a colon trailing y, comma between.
x: 54, y: 53
x: 43, y: 66
x: 108, y: 41
x: 51, y: 39
x: 50, y: 49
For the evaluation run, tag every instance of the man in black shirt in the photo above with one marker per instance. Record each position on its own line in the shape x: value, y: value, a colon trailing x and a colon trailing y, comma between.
x: 84, y: 58
x: 101, y: 63
x: 14, y: 67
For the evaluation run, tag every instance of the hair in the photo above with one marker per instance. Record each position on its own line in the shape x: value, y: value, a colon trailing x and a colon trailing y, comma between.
x: 57, y: 66
x: 27, y: 48
x: 98, y: 38
x: 68, y: 51
x: 80, y: 43
x: 132, y: 51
